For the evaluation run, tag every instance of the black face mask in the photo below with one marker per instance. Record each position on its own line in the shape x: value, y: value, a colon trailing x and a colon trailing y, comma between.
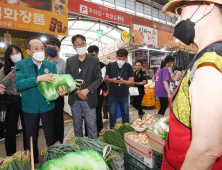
x: 185, y: 31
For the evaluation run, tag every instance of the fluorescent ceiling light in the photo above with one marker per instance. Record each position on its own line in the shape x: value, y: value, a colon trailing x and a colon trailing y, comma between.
x: 153, y: 49
x: 44, y: 39
x: 2, y: 45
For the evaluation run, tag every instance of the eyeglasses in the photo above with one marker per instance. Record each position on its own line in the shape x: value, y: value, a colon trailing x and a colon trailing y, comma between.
x: 178, y: 10
x: 80, y: 45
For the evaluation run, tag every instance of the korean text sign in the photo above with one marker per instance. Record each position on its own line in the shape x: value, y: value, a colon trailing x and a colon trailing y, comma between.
x: 31, y: 19
x: 144, y: 35
x: 100, y: 12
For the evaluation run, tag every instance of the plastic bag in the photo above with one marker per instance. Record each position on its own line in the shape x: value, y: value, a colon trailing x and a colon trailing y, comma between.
x: 161, y: 128
x: 49, y: 90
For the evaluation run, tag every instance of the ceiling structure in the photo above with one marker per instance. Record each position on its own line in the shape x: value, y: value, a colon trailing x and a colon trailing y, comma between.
x: 88, y: 27
x: 111, y: 32
x: 162, y: 2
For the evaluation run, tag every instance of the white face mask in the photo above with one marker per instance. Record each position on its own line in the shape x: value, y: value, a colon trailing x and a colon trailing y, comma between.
x: 81, y: 51
x: 16, y: 57
x: 120, y: 63
x: 39, y: 56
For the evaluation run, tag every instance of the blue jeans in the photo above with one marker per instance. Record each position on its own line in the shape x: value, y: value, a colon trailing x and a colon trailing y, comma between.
x: 113, y: 106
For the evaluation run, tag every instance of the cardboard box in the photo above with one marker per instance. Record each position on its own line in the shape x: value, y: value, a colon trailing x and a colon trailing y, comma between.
x: 140, y: 152
x: 129, y: 159
x: 155, y: 141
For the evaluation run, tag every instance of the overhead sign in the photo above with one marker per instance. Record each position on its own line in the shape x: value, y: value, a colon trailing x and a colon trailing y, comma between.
x: 167, y: 39
x: 144, y: 35
x: 37, y: 19
x: 152, y: 24
x: 100, y: 12
x: 125, y: 36
x: 111, y: 47
x: 100, y: 33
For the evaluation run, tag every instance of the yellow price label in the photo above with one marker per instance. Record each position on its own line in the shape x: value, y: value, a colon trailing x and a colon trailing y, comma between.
x: 125, y: 36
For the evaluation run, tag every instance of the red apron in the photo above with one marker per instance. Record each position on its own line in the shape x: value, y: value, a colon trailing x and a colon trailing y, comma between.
x: 177, y: 144
x: 179, y: 138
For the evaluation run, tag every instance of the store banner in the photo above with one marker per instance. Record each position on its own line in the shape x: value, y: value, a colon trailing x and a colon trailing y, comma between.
x: 16, y: 41
x: 49, y: 16
x: 145, y: 35
x: 100, y: 12
x: 167, y: 39
x: 152, y: 24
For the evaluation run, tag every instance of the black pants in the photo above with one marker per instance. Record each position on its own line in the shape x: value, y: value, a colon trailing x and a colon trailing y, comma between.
x: 2, y: 130
x: 163, y: 105
x: 99, y: 120
x: 59, y: 119
x: 105, y: 107
x: 32, y: 129
x: 138, y: 100
x: 14, y: 110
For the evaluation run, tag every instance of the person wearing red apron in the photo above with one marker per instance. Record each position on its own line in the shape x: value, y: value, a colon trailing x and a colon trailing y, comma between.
x: 194, y: 141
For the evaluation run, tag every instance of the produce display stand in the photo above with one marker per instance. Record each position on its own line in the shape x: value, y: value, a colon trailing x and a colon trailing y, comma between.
x: 148, y: 99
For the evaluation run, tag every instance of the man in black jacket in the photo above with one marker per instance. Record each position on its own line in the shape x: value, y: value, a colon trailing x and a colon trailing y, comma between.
x: 84, y: 101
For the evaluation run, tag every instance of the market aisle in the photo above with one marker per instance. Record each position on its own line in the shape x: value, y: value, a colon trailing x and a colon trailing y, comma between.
x: 69, y: 130
x: 133, y: 117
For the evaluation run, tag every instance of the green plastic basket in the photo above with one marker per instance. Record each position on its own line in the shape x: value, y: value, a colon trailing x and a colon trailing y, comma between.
x: 131, y: 163
x: 158, y: 160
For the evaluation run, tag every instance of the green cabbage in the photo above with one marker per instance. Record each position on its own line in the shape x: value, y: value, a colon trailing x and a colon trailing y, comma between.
x: 82, y: 160
x: 49, y: 90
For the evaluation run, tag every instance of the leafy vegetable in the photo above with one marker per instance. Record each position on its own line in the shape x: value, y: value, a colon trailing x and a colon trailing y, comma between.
x: 114, y: 138
x: 124, y: 129
x: 49, y: 90
x: 58, y: 150
x: 88, y: 159
x: 20, y: 160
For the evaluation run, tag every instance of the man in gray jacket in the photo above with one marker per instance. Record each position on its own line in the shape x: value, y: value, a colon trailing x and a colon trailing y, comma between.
x: 84, y: 101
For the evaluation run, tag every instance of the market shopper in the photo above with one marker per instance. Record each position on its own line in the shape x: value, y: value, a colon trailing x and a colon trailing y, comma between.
x: 53, y: 49
x: 2, y: 123
x: 29, y: 72
x: 139, y: 82
x: 178, y: 74
x: 94, y: 51
x: 13, y: 54
x: 119, y: 75
x: 84, y: 101
x: 162, y: 84
x: 194, y: 140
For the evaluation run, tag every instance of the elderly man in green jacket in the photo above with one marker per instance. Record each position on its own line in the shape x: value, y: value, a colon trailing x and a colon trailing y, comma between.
x: 29, y: 73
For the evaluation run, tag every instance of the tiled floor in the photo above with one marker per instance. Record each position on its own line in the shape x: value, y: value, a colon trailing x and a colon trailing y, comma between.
x: 69, y: 132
